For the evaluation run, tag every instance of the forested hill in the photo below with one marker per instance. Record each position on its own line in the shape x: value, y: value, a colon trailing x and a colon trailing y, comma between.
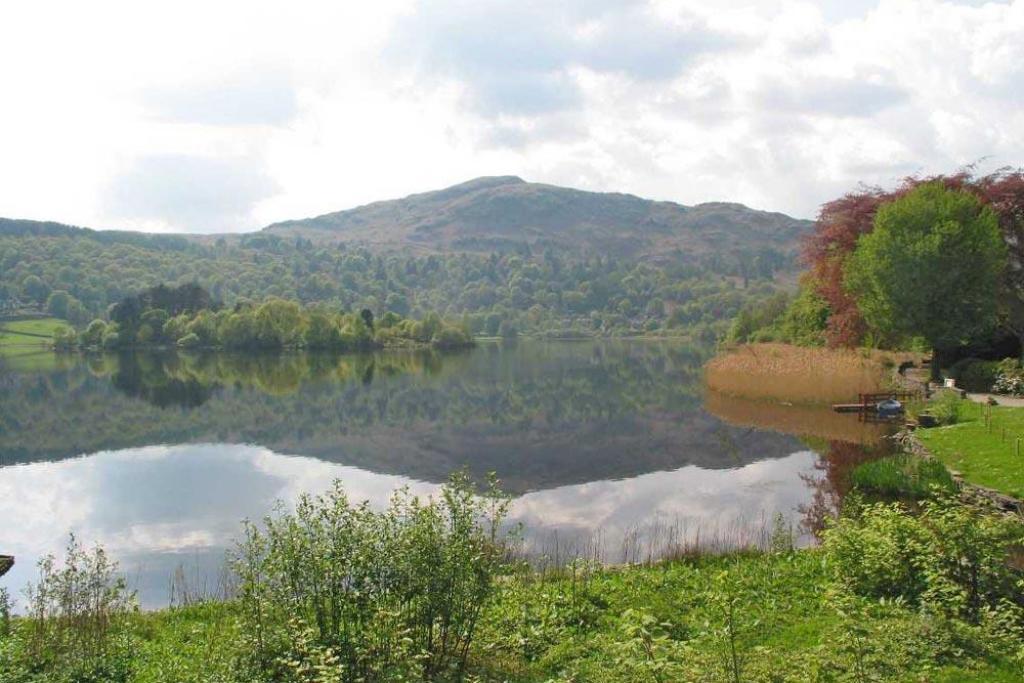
x: 505, y: 213
x: 500, y: 253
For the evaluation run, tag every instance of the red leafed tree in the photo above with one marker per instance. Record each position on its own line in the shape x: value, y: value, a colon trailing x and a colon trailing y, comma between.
x: 842, y: 221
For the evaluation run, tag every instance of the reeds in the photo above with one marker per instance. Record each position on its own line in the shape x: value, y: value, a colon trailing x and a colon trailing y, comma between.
x: 798, y: 374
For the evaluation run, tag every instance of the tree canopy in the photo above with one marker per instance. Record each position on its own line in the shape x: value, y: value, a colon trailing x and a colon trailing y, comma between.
x: 931, y: 267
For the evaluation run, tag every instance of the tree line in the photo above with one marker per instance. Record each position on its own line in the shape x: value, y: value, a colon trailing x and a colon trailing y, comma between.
x: 188, y: 317
x: 75, y: 275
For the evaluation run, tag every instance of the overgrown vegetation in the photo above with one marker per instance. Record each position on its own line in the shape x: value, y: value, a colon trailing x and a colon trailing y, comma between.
x: 426, y: 590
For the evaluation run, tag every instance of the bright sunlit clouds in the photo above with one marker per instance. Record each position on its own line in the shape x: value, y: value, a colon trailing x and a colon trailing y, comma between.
x: 227, y: 116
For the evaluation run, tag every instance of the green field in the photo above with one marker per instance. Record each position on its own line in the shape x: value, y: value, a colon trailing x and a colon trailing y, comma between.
x: 21, y: 334
x: 983, y: 450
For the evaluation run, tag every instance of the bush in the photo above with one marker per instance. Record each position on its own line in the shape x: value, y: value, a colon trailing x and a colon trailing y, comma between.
x: 451, y: 338
x: 77, y: 620
x: 975, y: 375
x: 393, y: 595
x: 1009, y: 378
x: 951, y: 558
x: 903, y: 476
x: 64, y: 338
x: 947, y: 407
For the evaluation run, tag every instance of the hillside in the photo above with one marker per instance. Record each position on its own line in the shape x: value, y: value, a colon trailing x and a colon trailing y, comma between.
x: 505, y: 212
x: 499, y: 253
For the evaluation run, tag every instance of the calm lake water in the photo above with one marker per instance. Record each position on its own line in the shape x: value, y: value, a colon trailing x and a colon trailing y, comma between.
x: 611, y: 449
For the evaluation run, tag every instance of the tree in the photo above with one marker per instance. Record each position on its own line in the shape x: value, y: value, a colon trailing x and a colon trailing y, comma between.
x: 57, y: 304
x: 93, y: 335
x: 931, y: 267
x: 367, y: 315
x: 35, y: 289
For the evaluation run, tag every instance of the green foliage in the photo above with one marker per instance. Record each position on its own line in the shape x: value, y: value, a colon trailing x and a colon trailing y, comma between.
x: 1009, y: 378
x: 93, y: 335
x: 534, y: 292
x: 790, y: 616
x: 391, y: 595
x: 951, y: 559
x: 758, y: 321
x: 64, y: 338
x: 903, y: 477
x: 77, y: 627
x: 975, y: 375
x: 947, y: 407
x: 271, y: 325
x: 806, y: 317
x: 931, y: 267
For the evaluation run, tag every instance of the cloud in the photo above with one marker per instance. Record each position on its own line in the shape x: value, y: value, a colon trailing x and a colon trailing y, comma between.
x: 854, y: 97
x: 255, y: 97
x: 521, y: 58
x: 318, y: 106
x: 190, y: 193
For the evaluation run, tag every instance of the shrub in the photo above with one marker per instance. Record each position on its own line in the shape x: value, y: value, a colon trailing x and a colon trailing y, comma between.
x: 903, y: 476
x: 947, y: 407
x: 64, y: 338
x: 1009, y: 378
x: 391, y: 595
x: 451, y: 338
x: 77, y: 618
x: 951, y: 558
x: 975, y: 375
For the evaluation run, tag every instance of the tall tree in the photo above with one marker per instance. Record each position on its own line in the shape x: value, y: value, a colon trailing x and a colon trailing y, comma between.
x: 932, y: 267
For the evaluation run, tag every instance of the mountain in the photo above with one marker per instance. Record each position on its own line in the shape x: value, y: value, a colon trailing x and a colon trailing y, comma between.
x: 505, y: 212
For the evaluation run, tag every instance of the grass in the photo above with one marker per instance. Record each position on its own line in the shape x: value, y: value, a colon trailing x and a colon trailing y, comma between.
x: 902, y: 477
x: 16, y: 335
x: 799, y: 374
x: 982, y: 446
x: 666, y: 622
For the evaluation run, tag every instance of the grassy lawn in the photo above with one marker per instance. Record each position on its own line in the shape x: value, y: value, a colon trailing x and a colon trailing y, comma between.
x: 16, y: 335
x: 983, y: 451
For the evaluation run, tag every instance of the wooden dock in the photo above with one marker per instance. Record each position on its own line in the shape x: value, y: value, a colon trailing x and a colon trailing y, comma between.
x: 6, y: 562
x: 868, y: 403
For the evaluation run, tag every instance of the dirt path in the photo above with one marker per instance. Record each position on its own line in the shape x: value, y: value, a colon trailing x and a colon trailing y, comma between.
x: 1010, y: 401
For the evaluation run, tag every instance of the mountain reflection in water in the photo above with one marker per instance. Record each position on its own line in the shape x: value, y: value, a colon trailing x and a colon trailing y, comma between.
x: 606, y: 446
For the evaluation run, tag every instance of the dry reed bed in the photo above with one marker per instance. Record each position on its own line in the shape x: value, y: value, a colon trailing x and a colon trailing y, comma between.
x: 799, y: 374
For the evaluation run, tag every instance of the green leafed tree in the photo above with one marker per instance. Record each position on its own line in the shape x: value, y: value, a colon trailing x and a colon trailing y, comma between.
x: 930, y: 268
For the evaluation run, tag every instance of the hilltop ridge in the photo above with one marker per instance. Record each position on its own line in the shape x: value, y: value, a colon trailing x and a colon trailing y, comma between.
x: 497, y: 213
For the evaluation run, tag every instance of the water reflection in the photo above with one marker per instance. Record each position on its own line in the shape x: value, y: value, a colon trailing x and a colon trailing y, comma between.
x: 159, y: 507
x: 608, y: 448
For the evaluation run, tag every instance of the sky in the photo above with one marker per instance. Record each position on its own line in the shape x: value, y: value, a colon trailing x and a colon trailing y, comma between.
x: 227, y: 116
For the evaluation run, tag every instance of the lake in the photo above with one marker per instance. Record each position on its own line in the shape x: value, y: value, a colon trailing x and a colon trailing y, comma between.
x: 611, y: 449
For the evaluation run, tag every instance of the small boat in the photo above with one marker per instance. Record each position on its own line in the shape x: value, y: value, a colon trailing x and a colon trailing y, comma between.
x: 889, y: 408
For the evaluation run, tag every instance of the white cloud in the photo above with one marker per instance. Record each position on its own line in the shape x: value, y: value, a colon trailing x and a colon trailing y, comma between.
x: 309, y: 107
